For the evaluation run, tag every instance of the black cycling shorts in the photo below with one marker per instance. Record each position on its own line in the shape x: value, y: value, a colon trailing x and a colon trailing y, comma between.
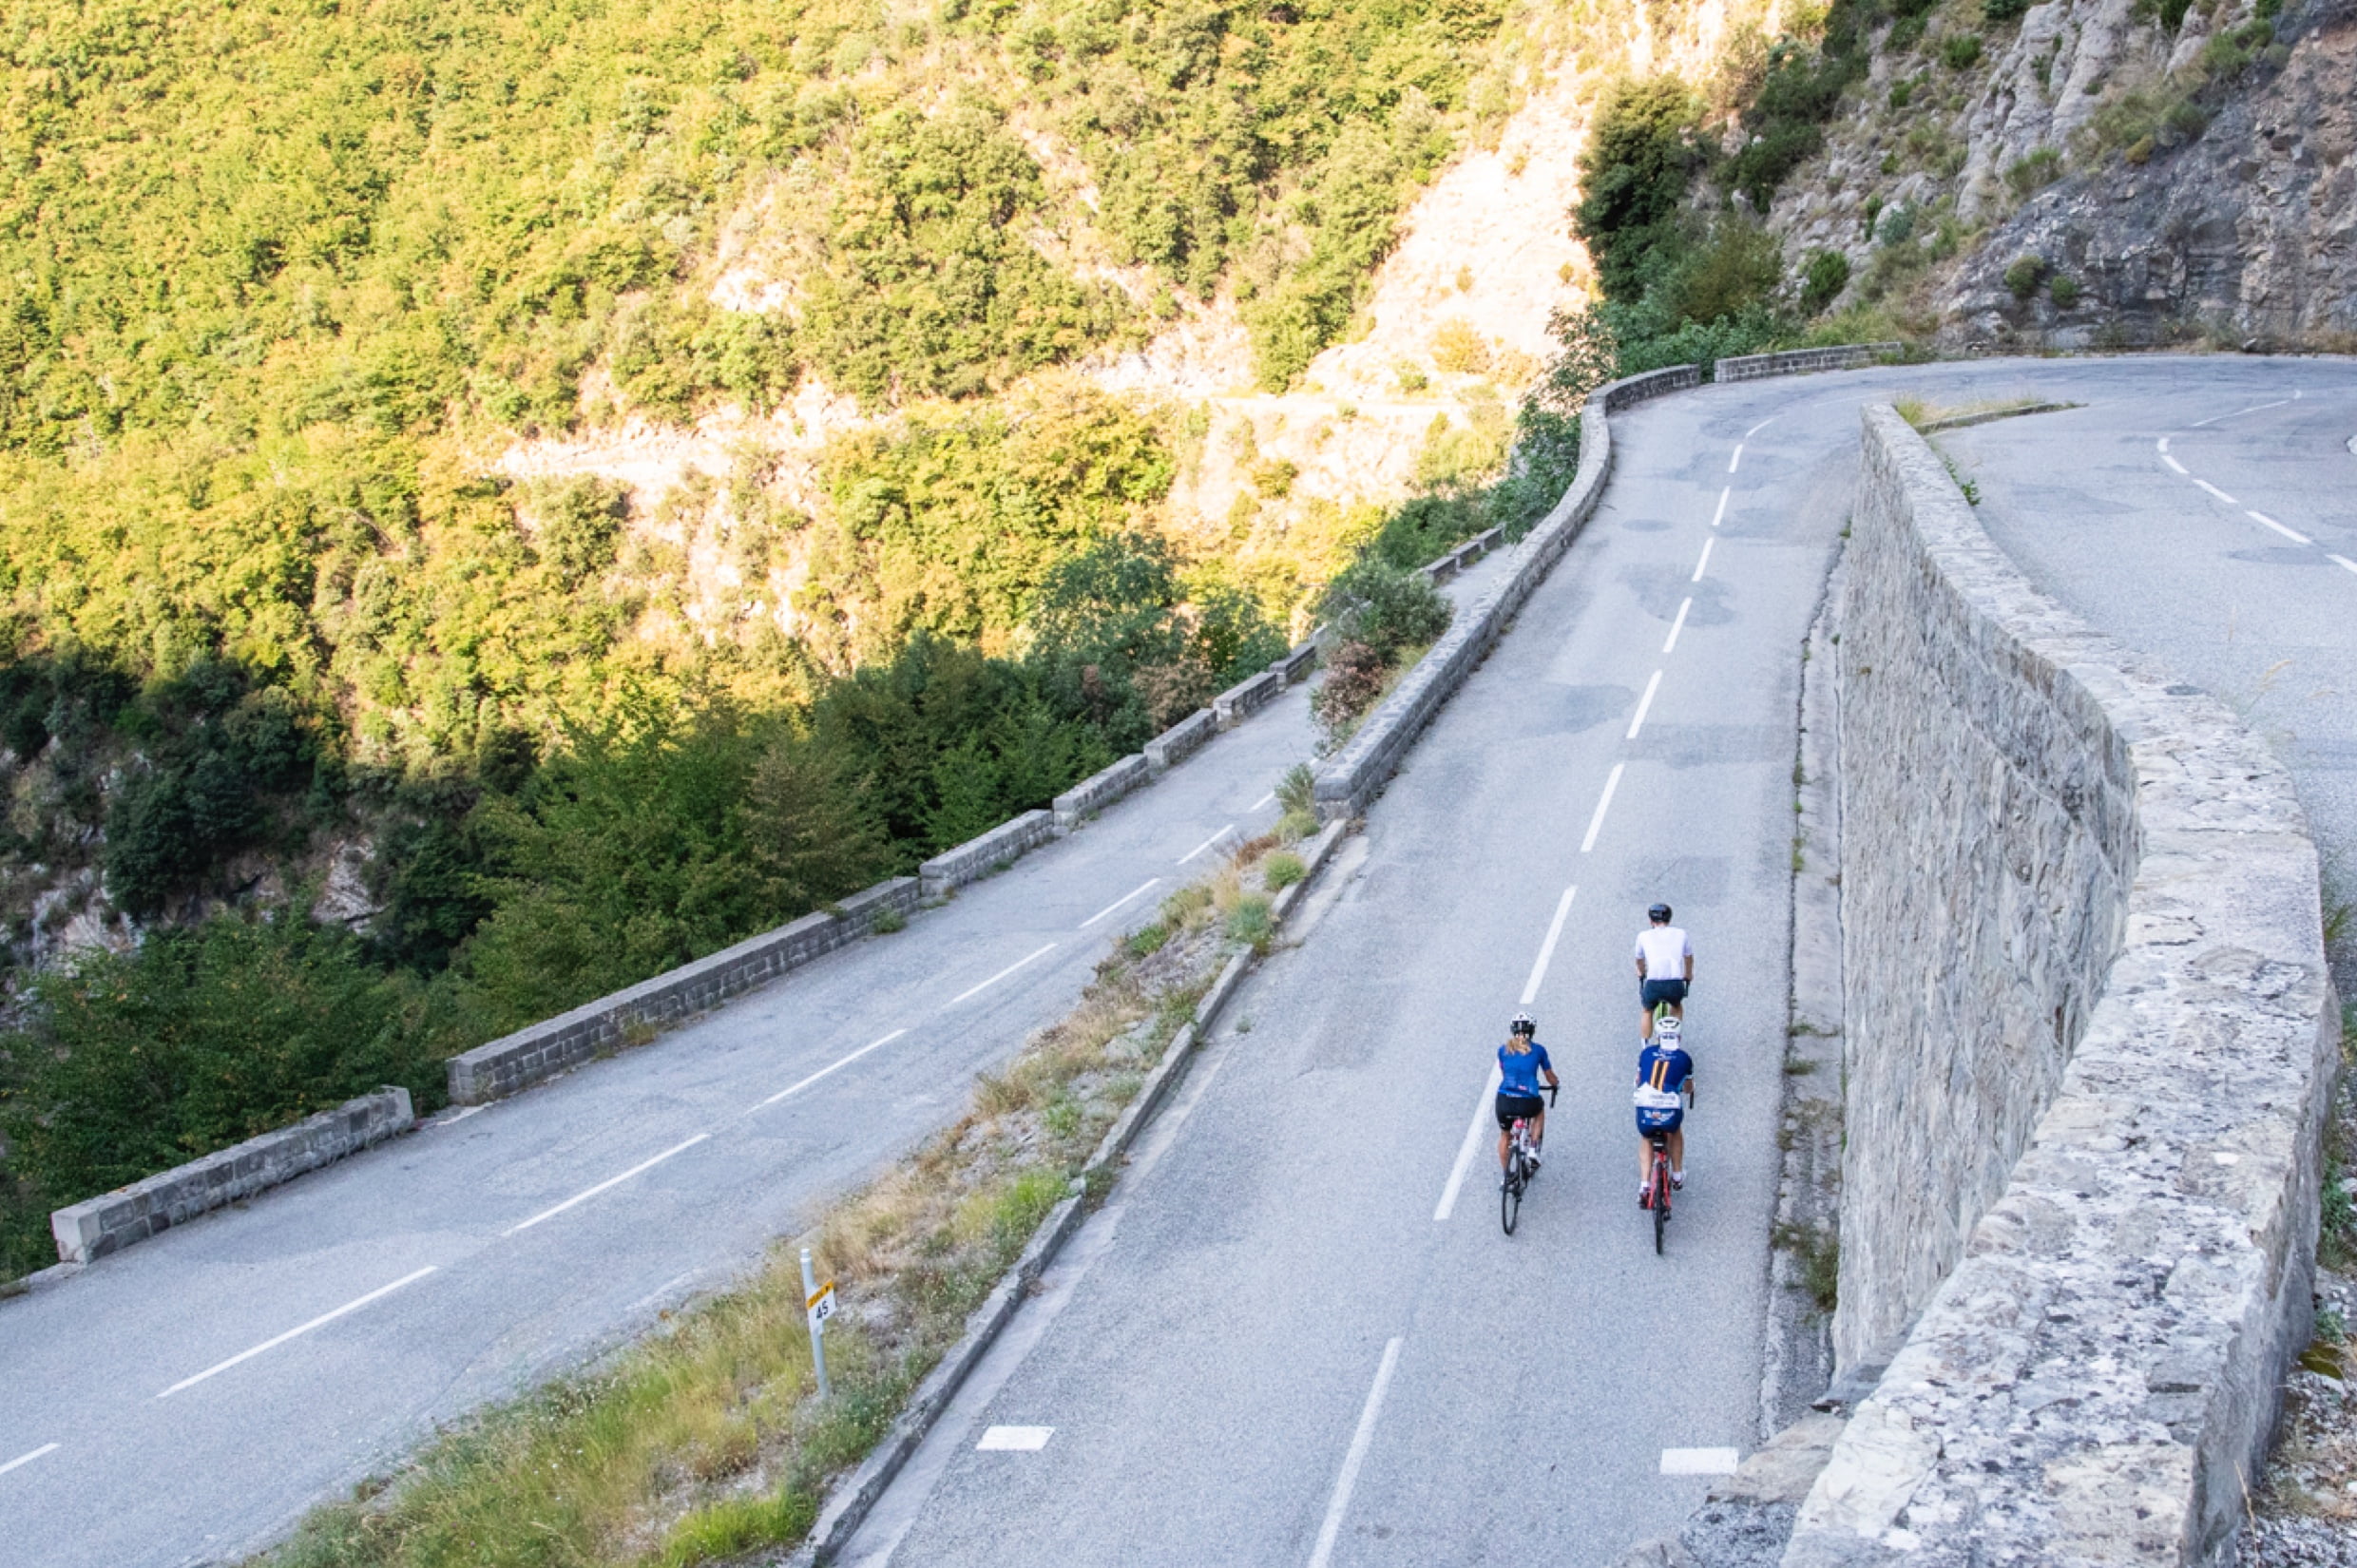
x: 1652, y: 993
x: 1511, y: 1107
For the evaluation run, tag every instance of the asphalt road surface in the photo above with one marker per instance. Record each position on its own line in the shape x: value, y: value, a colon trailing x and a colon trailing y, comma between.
x: 1298, y: 1334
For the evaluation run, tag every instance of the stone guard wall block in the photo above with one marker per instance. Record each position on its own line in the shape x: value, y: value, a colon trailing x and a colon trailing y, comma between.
x: 1751, y: 367
x: 1100, y: 789
x: 114, y: 1221
x: 2081, y: 919
x: 1181, y: 740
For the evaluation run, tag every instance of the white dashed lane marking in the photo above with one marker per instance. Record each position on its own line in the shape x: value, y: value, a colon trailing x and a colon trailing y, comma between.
x: 1700, y: 1462
x: 1603, y: 804
x: 640, y: 1169
x: 1360, y: 1442
x: 1015, y: 1439
x: 977, y: 990
x: 1644, y: 705
x: 2219, y: 493
x: 26, y: 1459
x: 2292, y: 534
x: 272, y: 1344
x: 835, y: 1066
x: 1706, y: 558
x: 1148, y: 886
x: 1677, y: 625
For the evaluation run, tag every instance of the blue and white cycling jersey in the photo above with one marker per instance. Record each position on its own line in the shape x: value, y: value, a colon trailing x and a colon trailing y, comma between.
x: 1660, y: 1079
x: 1517, y: 1071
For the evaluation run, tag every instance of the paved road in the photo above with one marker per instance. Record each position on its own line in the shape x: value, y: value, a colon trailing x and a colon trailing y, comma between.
x: 188, y: 1400
x: 2213, y: 523
x: 1282, y: 1343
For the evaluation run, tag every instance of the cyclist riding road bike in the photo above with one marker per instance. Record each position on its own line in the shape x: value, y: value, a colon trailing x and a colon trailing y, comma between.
x: 1522, y: 1065
x: 1664, y: 967
x: 1664, y: 1076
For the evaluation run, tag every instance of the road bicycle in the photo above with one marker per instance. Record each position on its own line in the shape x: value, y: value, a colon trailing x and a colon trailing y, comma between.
x: 1657, y: 1183
x: 1521, y: 1163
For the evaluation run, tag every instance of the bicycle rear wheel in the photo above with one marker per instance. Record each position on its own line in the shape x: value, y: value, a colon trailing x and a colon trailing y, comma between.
x: 1510, y: 1193
x: 1660, y: 1202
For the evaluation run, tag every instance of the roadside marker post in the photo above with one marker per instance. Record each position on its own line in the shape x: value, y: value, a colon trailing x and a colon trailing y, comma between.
x: 819, y: 1301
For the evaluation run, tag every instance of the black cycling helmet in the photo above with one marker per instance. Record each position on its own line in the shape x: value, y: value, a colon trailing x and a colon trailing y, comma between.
x: 1523, y: 1024
x: 1659, y: 912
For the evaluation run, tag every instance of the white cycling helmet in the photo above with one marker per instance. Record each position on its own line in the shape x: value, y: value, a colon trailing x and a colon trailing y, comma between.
x: 1667, y: 1025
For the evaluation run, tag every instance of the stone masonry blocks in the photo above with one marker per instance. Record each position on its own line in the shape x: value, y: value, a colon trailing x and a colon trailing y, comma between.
x: 1752, y: 367
x: 2092, y: 1040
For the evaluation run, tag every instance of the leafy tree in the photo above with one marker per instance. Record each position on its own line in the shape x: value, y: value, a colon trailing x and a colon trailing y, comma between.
x: 1641, y: 159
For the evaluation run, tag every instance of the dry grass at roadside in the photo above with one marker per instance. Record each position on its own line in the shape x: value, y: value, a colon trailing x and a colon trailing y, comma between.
x: 1926, y: 416
x: 707, y: 1440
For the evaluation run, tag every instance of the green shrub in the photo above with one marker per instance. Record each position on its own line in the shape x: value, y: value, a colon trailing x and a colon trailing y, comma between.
x: 1641, y: 157
x: 1281, y: 870
x: 1384, y: 607
x: 1960, y: 51
x: 1297, y: 790
x: 1293, y: 826
x: 1248, y: 923
x: 2034, y: 172
x: 1901, y: 92
x: 1147, y: 940
x: 2064, y: 291
x: 1998, y: 12
x: 1823, y: 280
x: 1898, y: 224
x: 2024, y: 277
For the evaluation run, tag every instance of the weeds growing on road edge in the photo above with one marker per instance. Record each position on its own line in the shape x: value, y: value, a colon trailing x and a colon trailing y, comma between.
x: 707, y: 1440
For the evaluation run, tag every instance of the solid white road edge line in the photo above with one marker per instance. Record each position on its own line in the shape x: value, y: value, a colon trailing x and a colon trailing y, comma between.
x: 1207, y: 843
x: 1015, y: 1439
x: 1471, y: 1146
x: 1604, y: 802
x: 1761, y: 425
x: 1150, y: 883
x: 1721, y: 512
x: 324, y: 1318
x: 2174, y: 463
x: 641, y: 1168
x: 1360, y: 1442
x: 2219, y: 493
x: 1644, y: 705
x: 831, y: 1066
x: 1679, y: 625
x: 2344, y: 562
x: 977, y: 990
x: 28, y: 1458
x: 2254, y: 408
x: 2292, y: 534
x: 1262, y: 801
x: 1706, y: 559
x: 1547, y: 949
x: 1700, y: 1461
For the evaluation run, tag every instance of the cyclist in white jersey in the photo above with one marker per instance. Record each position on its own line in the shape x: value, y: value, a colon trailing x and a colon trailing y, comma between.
x: 1664, y: 967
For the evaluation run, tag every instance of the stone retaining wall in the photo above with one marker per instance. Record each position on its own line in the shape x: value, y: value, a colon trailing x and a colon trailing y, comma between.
x: 1751, y: 367
x: 1181, y: 740
x: 2080, y: 915
x: 1100, y: 789
x: 518, y: 1060
x: 979, y: 856
x: 1246, y: 698
x: 114, y: 1221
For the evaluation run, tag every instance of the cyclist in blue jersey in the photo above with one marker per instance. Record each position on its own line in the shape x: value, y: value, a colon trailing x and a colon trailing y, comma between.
x: 1522, y: 1066
x: 1664, y: 1076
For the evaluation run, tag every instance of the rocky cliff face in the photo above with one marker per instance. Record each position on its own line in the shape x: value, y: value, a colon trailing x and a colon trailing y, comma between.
x: 2101, y: 178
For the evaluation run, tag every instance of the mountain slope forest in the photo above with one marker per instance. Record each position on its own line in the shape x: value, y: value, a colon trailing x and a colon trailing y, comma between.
x: 497, y: 502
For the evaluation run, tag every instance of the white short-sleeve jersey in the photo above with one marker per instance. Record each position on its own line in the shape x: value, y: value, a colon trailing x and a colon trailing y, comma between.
x: 1665, y: 949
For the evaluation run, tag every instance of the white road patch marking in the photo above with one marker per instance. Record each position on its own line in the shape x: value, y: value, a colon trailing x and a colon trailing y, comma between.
x: 1361, y: 1441
x: 1207, y: 843
x: 2345, y: 563
x: 1015, y: 1439
x: 324, y: 1318
x: 1644, y: 705
x: 1700, y: 1462
x: 2219, y: 493
x: 1721, y: 512
x: 1150, y: 884
x: 1547, y: 949
x: 1706, y: 559
x: 977, y: 990
x: 2239, y: 412
x: 2292, y: 534
x: 2173, y: 463
x: 638, y: 1169
x: 459, y: 1115
x: 1604, y: 802
x: 1262, y: 801
x: 1471, y: 1146
x: 1761, y: 425
x: 28, y: 1458
x: 1737, y: 458
x: 2164, y: 445
x: 830, y: 1067
x: 1677, y: 625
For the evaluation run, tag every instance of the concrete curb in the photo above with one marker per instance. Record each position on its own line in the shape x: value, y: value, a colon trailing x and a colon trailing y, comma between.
x: 111, y: 1221
x: 850, y: 1500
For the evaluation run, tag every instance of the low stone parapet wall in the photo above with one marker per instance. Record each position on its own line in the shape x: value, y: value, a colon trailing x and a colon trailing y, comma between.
x: 518, y: 1060
x: 994, y: 850
x: 1752, y: 367
x: 1100, y: 789
x: 2090, y: 1039
x: 1246, y: 698
x: 1181, y: 740
x: 115, y: 1220
x: 1298, y: 661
